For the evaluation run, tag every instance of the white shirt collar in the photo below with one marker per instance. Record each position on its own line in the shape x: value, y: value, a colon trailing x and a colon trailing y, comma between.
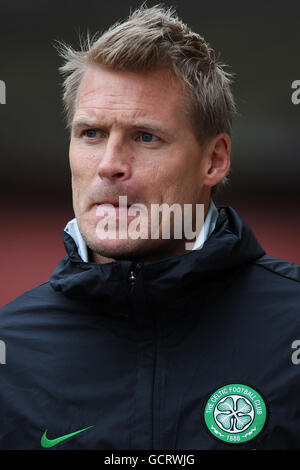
x: 208, y: 227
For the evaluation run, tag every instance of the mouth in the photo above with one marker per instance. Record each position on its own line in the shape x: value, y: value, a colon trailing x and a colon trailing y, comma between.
x: 112, y: 203
x: 119, y: 201
x: 112, y: 208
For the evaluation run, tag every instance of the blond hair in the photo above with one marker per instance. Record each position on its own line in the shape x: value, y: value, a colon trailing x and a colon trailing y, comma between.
x: 152, y: 38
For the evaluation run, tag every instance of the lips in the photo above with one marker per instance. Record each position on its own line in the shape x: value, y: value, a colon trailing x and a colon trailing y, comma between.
x: 116, y: 204
x: 111, y: 208
x: 112, y: 203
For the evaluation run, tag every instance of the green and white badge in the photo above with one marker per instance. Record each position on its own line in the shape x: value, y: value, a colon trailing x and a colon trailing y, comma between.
x: 235, y: 413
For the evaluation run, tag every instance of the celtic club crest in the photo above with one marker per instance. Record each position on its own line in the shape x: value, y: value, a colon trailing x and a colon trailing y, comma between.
x: 235, y: 413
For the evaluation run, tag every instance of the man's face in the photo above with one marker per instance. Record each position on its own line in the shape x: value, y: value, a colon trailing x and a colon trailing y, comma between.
x: 132, y: 137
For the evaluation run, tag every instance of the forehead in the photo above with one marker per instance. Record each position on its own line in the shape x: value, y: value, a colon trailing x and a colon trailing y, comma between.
x: 157, y: 94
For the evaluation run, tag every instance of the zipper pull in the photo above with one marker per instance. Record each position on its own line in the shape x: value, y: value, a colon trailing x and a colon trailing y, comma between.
x: 133, y: 273
x: 132, y: 277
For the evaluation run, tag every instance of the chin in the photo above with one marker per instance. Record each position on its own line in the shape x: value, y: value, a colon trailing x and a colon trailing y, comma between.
x: 119, y: 249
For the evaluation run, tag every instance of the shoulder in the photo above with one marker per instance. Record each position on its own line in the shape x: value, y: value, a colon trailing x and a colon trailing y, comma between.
x: 27, y: 304
x: 29, y: 297
x: 279, y: 268
x: 34, y: 307
x: 39, y: 316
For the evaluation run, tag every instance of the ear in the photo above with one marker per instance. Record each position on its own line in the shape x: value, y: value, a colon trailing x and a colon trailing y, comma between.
x: 217, y: 159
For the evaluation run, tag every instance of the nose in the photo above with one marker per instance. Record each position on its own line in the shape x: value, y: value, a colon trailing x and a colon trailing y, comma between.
x: 115, y: 161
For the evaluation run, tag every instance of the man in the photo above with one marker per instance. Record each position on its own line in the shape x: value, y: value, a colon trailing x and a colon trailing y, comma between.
x: 146, y: 342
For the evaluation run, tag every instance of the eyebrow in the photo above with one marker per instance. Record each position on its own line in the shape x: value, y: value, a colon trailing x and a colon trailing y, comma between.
x: 82, y: 124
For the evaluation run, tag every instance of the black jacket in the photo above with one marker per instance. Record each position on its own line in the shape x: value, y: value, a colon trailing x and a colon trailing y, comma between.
x: 192, y: 352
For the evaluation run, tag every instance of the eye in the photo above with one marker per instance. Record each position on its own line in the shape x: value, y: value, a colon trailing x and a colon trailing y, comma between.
x: 148, y: 137
x: 90, y: 133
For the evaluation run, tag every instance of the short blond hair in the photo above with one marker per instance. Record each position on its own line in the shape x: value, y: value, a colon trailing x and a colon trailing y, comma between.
x: 152, y: 38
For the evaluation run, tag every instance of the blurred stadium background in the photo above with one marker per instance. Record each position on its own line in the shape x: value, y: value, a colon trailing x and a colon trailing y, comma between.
x: 259, y: 40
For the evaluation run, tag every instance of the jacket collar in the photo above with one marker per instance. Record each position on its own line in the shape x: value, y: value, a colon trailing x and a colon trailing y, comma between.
x: 229, y: 247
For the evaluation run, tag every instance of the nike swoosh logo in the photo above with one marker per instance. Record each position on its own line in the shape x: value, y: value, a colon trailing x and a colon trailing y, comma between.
x: 47, y: 443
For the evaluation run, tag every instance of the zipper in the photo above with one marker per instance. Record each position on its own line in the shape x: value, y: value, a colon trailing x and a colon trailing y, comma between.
x: 133, y: 273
